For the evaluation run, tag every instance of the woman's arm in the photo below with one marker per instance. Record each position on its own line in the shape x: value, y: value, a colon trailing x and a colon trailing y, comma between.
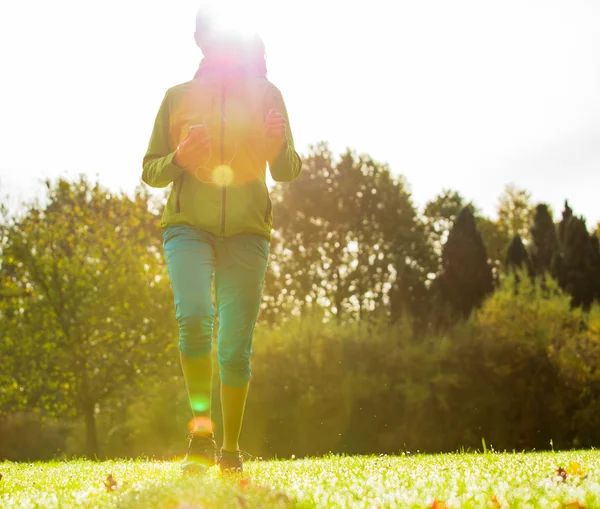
x: 284, y: 162
x: 159, y: 167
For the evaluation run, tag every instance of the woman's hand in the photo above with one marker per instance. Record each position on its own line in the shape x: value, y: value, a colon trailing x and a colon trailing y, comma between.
x: 194, y: 150
x: 276, y: 126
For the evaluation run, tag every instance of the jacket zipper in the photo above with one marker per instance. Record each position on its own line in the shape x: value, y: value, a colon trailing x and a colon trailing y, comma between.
x: 178, y: 202
x: 224, y: 201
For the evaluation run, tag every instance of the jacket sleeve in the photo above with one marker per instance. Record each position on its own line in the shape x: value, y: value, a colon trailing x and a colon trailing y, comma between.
x: 159, y: 169
x: 286, y: 165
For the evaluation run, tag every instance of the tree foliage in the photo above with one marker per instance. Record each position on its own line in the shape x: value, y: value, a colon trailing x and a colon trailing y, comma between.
x: 517, y: 257
x: 595, y: 265
x: 496, y: 241
x: 347, y: 240
x: 544, y: 242
x: 466, y: 277
x: 577, y: 263
x: 86, y: 321
x: 439, y: 215
x: 515, y: 211
x: 567, y: 214
x: 86, y: 305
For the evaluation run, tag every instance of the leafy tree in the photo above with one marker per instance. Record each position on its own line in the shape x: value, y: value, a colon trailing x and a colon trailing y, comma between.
x: 521, y: 395
x: 86, y: 309
x: 438, y: 217
x: 496, y: 241
x: 515, y: 211
x: 347, y: 237
x: 466, y: 277
x: 544, y: 242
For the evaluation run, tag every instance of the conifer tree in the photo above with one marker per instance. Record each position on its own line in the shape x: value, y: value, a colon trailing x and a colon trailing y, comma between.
x: 544, y: 242
x: 466, y: 277
x: 517, y: 257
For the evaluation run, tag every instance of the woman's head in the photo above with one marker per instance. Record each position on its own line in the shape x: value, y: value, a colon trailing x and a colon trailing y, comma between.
x: 230, y: 46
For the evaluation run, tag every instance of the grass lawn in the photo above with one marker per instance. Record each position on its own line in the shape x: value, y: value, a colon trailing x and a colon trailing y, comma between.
x: 443, y: 481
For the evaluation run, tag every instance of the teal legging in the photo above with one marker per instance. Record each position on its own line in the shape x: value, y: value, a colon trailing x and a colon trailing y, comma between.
x: 239, y: 264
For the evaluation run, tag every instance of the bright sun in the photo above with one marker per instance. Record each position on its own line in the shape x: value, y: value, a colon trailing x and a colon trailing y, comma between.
x: 241, y: 17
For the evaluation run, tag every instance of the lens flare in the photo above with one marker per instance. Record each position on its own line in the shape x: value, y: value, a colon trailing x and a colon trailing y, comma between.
x: 201, y: 425
x: 200, y: 404
x: 233, y: 16
x: 222, y: 175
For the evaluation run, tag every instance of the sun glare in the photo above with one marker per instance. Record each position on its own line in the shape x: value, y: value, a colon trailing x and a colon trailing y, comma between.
x: 235, y: 16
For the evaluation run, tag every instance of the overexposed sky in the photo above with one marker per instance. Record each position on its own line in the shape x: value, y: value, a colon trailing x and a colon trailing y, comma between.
x: 463, y: 94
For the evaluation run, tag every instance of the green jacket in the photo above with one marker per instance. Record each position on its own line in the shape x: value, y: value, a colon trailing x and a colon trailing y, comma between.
x: 234, y: 110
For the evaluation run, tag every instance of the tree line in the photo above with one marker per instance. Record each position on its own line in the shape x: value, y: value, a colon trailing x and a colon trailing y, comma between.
x: 350, y: 241
x: 86, y: 313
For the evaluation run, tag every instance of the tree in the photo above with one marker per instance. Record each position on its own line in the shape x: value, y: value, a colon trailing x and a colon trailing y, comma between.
x: 438, y: 217
x: 595, y: 265
x: 596, y: 260
x: 347, y: 236
x: 544, y: 242
x: 558, y: 259
x: 515, y: 211
x: 87, y: 306
x: 466, y: 277
x: 567, y: 214
x: 578, y: 252
x: 496, y: 242
x: 517, y: 257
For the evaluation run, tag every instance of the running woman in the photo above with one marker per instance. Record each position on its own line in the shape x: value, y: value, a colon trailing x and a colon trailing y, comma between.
x: 212, y: 139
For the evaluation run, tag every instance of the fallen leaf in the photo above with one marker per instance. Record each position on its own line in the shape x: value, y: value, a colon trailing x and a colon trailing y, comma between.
x: 495, y: 503
x: 244, y: 483
x: 438, y: 504
x: 110, y: 483
x: 0, y: 477
x: 573, y: 505
x: 575, y: 469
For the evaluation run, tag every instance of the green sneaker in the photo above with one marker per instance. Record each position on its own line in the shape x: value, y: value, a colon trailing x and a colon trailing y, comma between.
x: 202, y: 453
x: 231, y: 462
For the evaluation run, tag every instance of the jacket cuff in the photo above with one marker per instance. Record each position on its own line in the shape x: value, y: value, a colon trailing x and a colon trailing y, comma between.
x: 281, y: 158
x: 170, y: 170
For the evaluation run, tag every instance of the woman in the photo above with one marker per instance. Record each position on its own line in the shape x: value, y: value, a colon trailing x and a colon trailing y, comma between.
x: 212, y: 139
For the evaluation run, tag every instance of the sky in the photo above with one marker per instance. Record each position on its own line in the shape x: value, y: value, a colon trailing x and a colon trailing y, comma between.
x: 465, y: 94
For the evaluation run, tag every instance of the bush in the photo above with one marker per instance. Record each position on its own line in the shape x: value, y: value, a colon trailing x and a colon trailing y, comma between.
x: 26, y: 436
x: 521, y: 372
x: 523, y: 399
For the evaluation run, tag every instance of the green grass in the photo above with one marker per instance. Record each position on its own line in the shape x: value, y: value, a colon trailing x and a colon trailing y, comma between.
x: 459, y: 480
